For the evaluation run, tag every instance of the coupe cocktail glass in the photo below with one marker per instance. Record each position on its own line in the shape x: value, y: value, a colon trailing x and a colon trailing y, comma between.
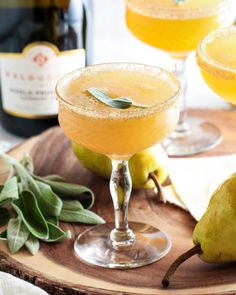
x: 176, y: 27
x: 119, y: 133
x: 216, y: 57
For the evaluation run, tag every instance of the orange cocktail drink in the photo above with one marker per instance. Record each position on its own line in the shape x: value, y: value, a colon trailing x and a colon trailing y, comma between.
x: 216, y: 58
x: 175, y: 27
x: 119, y: 133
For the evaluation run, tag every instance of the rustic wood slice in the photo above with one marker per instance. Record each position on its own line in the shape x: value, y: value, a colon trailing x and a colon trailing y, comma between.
x: 58, y: 270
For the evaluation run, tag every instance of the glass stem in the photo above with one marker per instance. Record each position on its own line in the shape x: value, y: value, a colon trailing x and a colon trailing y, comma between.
x: 120, y: 188
x: 179, y: 71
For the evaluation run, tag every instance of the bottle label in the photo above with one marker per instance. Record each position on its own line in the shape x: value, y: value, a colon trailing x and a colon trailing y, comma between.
x: 28, y: 79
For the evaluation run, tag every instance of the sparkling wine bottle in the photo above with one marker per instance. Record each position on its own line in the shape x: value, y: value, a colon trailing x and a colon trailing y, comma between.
x: 40, y: 41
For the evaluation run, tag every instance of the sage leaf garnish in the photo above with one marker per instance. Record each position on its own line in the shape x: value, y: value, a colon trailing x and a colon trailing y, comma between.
x: 39, y: 203
x: 32, y: 244
x: 4, y: 216
x: 117, y: 103
x: 3, y: 235
x: 179, y: 1
x: 49, y: 202
x: 56, y: 234
x: 81, y: 216
x: 9, y: 191
x: 29, y: 211
x: 17, y: 234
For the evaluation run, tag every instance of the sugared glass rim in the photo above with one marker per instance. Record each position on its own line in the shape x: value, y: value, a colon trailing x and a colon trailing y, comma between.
x: 181, y: 13
x: 119, y: 113
x: 206, y: 40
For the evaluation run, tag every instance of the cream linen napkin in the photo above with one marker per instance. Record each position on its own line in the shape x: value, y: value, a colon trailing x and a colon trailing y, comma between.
x: 195, y: 179
x: 10, y: 285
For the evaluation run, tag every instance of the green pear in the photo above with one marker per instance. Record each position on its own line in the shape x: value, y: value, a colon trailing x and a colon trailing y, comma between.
x: 214, y: 235
x: 95, y: 162
x: 153, y: 160
x: 216, y: 231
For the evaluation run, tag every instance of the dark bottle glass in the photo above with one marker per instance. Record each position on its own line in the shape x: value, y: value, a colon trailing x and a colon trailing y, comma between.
x: 40, y: 41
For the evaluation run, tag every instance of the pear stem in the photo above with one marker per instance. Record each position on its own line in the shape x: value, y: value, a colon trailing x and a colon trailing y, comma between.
x: 171, y: 270
x: 160, y: 192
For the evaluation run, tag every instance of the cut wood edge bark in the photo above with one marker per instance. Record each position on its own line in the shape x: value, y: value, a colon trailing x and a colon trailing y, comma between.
x: 49, y: 284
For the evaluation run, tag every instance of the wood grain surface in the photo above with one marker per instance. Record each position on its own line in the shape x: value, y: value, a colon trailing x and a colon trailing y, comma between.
x: 58, y: 270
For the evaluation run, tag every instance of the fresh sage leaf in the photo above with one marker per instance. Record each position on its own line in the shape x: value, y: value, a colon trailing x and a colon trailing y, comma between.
x: 52, y: 219
x: 29, y: 211
x: 54, y: 177
x: 81, y: 216
x: 71, y: 191
x: 28, y: 164
x: 20, y: 187
x: 27, y: 181
x: 4, y: 216
x: 72, y: 205
x: 118, y: 103
x: 37, y: 201
x: 3, y: 235
x: 49, y: 202
x: 9, y: 191
x: 32, y: 244
x: 56, y: 234
x: 17, y: 234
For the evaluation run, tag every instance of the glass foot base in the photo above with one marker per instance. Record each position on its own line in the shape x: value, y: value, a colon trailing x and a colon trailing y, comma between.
x: 193, y: 140
x: 94, y: 246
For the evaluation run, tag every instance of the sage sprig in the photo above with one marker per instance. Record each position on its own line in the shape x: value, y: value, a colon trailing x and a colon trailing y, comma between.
x: 72, y: 211
x: 9, y: 191
x: 57, y: 234
x: 17, y: 234
x: 49, y: 202
x: 32, y: 206
x: 117, y: 103
x: 29, y: 212
x: 70, y: 191
x: 32, y: 244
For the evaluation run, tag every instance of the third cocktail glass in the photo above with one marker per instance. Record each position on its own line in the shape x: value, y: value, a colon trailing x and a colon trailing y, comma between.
x: 119, y: 133
x: 216, y: 57
x: 176, y: 26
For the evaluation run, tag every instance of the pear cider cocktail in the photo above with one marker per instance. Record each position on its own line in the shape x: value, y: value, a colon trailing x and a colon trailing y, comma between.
x: 216, y: 58
x: 119, y: 132
x: 177, y: 26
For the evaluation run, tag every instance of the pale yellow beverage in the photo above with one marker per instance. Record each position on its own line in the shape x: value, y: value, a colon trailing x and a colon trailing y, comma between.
x: 217, y: 60
x: 118, y: 133
x: 176, y: 27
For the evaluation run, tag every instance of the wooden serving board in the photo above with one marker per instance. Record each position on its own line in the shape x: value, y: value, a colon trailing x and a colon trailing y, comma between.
x: 58, y: 270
